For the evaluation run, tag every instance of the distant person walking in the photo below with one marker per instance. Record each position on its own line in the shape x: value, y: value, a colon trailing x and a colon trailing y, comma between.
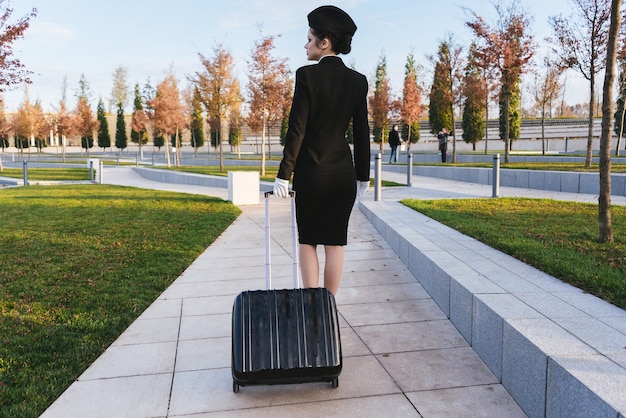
x: 394, y: 142
x: 443, y: 143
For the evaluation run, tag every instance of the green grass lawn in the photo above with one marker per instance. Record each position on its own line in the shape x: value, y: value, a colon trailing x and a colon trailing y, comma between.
x: 78, y: 264
x: 559, y: 238
x: 48, y: 174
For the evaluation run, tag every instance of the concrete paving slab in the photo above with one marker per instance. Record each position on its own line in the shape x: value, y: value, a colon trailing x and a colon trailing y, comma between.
x: 368, y: 407
x: 133, y: 360
x: 128, y: 397
x: 391, y: 312
x: 381, y: 293
x: 192, y: 354
x: 207, y: 305
x: 145, y: 331
x: 411, y: 336
x: 437, y: 369
x: 485, y: 401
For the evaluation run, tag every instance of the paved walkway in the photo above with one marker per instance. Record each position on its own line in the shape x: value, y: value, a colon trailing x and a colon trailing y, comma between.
x: 402, y: 356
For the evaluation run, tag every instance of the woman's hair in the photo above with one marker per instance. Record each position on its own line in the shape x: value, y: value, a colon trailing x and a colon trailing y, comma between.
x: 341, y: 42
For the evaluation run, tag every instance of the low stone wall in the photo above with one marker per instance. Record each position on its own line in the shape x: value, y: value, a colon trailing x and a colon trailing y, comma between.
x: 559, y: 351
x: 171, y: 176
x: 176, y: 177
x: 556, y: 181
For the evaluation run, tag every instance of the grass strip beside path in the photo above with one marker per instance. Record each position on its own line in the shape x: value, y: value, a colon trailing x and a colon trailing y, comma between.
x: 78, y: 264
x: 557, y: 237
x: 48, y: 174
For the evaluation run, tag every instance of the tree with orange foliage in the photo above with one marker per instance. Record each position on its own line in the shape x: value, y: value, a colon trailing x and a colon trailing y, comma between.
x: 167, y: 112
x: 23, y: 125
x: 41, y: 127
x: 5, y: 129
x: 219, y: 91
x: 411, y: 107
x: 268, y: 83
x: 508, y: 46
x: 85, y: 124
x: 12, y: 71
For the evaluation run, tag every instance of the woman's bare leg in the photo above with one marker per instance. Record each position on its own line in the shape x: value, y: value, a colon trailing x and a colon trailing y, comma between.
x: 333, y: 267
x: 309, y: 265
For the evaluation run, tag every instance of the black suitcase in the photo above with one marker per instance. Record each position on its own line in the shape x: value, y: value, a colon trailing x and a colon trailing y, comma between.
x: 285, y: 336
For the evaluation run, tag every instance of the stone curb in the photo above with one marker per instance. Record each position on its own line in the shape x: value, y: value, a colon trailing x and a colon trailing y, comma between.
x: 557, y: 350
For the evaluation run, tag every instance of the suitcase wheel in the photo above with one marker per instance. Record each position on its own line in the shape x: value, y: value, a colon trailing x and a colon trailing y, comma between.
x: 335, y: 382
x: 235, y: 387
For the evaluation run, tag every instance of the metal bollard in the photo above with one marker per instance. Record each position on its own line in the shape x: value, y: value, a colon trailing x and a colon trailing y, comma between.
x: 496, y: 176
x: 378, y: 178
x: 409, y: 170
x: 25, y: 172
x: 91, y: 170
x: 101, y: 172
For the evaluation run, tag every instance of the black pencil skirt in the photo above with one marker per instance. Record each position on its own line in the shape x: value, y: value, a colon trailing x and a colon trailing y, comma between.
x: 323, y: 207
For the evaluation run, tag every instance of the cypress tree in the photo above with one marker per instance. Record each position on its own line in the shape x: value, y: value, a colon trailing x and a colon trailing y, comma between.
x: 379, y: 103
x: 197, y: 121
x: 159, y: 141
x: 440, y: 109
x: 474, y: 101
x: 515, y: 117
x: 121, y: 140
x: 138, y: 105
x: 104, y: 138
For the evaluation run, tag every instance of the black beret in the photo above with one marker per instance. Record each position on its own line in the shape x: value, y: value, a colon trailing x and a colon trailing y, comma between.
x: 331, y: 19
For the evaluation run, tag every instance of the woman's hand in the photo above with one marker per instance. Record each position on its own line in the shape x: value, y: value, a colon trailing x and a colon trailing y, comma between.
x: 281, y: 188
x: 361, y: 187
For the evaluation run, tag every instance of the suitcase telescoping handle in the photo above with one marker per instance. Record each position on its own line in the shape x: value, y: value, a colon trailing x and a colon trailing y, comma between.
x: 294, y: 234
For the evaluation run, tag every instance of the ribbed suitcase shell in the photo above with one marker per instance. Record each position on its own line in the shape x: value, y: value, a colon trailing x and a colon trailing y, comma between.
x: 285, y: 336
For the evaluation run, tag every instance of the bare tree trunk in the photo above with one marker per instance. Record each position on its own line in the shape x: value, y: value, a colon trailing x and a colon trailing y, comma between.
x: 621, y: 130
x: 269, y: 141
x: 263, y: 148
x: 453, y: 136
x: 507, y: 127
x: 221, y: 141
x: 167, y: 150
x: 178, y: 152
x: 543, y: 130
x: 486, y: 114
x: 408, y: 140
x: 604, y: 201
x: 592, y: 103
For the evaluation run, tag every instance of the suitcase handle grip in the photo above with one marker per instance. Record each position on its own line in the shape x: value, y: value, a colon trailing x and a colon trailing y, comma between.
x: 291, y: 193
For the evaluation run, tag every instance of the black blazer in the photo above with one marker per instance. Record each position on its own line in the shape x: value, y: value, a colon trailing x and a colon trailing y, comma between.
x: 326, y: 97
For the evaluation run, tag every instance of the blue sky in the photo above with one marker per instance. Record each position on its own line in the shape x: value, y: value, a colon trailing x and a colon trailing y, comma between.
x: 148, y: 37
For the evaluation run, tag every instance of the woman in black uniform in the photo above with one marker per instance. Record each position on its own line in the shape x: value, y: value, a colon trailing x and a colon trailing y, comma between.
x: 327, y: 96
